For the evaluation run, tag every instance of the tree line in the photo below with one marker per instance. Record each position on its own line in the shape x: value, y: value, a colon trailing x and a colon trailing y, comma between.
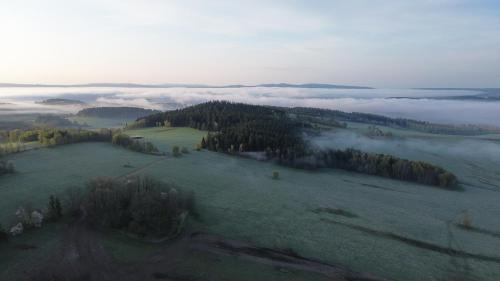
x: 382, y: 165
x: 115, y: 112
x: 127, y: 142
x: 54, y: 137
x: 373, y: 119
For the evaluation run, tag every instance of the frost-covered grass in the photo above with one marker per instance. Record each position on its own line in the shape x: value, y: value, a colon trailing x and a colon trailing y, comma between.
x: 39, y: 244
x: 165, y: 137
x: 46, y: 171
x: 96, y: 122
x: 238, y: 198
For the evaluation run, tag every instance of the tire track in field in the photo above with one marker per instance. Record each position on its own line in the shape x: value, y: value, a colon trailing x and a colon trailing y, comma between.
x: 416, y: 243
x: 140, y: 169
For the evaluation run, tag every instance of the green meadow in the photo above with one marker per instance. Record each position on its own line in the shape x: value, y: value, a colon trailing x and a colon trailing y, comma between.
x: 366, y: 223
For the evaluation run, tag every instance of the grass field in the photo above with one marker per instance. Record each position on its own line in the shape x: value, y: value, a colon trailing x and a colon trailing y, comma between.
x: 28, y: 250
x: 238, y: 198
x: 95, y: 122
x: 46, y: 171
x: 165, y: 138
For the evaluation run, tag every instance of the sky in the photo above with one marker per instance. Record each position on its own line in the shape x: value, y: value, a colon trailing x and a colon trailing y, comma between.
x: 390, y: 43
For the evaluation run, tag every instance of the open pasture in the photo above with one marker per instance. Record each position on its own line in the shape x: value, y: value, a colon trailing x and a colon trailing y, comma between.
x: 367, y: 223
x: 166, y: 137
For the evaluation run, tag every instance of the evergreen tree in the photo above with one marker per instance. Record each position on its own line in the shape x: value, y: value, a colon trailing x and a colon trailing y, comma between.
x: 54, y: 212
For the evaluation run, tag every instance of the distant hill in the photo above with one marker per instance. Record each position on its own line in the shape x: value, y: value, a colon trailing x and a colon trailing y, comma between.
x: 175, y: 85
x: 484, y: 94
x: 401, y: 123
x: 312, y: 86
x: 61, y: 102
x: 116, y: 112
x: 49, y: 120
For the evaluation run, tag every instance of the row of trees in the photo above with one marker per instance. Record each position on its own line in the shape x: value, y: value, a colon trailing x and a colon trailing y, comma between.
x: 55, y: 137
x: 9, y: 148
x: 380, y: 165
x: 18, y: 135
x: 135, y: 145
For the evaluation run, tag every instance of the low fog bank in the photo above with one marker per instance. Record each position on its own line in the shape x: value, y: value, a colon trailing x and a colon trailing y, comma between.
x: 27, y: 107
x: 412, y: 148
x: 377, y: 101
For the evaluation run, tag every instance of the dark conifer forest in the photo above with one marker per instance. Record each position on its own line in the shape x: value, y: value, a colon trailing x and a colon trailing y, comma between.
x: 115, y: 112
x: 238, y: 127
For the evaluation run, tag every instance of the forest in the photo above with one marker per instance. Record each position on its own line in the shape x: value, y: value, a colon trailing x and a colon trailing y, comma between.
x: 115, y: 112
x: 236, y: 128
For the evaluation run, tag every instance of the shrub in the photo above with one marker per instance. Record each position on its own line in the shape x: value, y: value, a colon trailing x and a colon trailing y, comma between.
x: 175, y: 150
x: 127, y: 142
x: 54, y: 209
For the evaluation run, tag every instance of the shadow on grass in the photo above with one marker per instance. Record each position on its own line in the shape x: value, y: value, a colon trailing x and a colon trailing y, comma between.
x: 334, y: 211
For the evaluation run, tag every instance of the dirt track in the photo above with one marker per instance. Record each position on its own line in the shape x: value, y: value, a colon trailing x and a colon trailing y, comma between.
x: 83, y: 258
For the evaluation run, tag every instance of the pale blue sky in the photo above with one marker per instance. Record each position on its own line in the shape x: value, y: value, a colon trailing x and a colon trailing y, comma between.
x: 387, y: 43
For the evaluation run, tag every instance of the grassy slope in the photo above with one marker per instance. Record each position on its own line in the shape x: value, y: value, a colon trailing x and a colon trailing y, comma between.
x: 14, y: 261
x: 51, y: 170
x: 166, y: 138
x: 231, y: 192
x: 238, y: 198
x: 96, y: 122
